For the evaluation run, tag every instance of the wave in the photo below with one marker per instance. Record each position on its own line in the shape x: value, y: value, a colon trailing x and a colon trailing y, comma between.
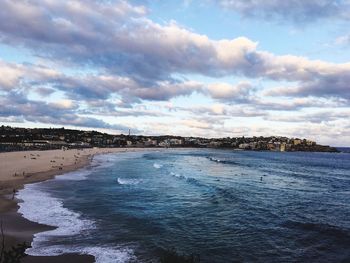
x: 110, y: 254
x: 75, y: 175
x: 190, y: 180
x: 124, y: 181
x: 104, y: 160
x: 82, y: 174
x: 103, y: 254
x: 194, y: 181
x: 214, y: 192
x: 157, y: 165
x: 178, y: 175
x: 39, y: 206
x: 216, y: 160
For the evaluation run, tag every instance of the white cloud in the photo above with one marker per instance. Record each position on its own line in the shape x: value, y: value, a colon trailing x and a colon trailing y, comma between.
x: 227, y: 92
x: 342, y: 40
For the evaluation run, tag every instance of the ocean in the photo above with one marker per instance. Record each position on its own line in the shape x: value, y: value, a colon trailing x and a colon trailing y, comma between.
x: 225, y: 206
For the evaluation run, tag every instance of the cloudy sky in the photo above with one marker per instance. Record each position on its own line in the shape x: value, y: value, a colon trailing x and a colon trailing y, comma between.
x: 211, y: 68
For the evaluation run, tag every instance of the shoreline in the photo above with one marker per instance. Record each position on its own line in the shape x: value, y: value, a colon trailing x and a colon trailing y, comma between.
x: 18, y: 229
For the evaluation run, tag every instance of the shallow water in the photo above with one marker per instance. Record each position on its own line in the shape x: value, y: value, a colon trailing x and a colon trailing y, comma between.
x: 226, y: 206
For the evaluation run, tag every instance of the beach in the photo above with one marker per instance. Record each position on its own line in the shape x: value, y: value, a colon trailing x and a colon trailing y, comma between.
x: 20, y: 168
x: 219, y: 204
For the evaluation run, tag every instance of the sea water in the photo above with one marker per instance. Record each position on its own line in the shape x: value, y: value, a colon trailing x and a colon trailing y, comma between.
x: 226, y: 206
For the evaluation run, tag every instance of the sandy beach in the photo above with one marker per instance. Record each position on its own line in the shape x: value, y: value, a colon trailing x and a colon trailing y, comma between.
x: 19, y: 168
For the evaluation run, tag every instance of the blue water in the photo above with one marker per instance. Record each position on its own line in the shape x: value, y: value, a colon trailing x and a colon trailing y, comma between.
x: 226, y: 206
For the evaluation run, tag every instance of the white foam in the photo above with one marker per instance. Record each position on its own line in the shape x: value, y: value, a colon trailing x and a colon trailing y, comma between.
x: 74, y: 176
x: 214, y: 159
x: 103, y: 254
x: 100, y: 161
x: 178, y: 175
x: 41, y: 207
x: 128, y: 181
x: 104, y: 160
x: 110, y: 255
x: 157, y: 165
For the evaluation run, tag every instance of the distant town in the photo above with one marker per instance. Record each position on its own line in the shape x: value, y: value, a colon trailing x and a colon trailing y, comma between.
x: 20, y: 139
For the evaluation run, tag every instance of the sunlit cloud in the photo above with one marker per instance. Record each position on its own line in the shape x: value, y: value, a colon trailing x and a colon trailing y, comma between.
x: 109, y: 64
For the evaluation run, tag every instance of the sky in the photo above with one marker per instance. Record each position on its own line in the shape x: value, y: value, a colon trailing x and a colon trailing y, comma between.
x: 223, y: 68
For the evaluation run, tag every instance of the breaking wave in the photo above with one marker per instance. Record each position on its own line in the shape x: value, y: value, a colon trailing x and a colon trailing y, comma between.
x: 41, y: 207
x: 124, y: 181
x: 157, y: 165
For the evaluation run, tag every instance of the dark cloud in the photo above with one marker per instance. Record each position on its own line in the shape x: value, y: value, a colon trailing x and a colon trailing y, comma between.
x: 298, y: 11
x: 135, y: 59
x: 141, y: 57
x: 103, y: 108
x: 118, y: 38
x: 45, y: 81
x: 97, y: 91
x: 222, y: 111
x: 319, y: 117
x: 326, y: 86
x: 14, y: 76
x: 11, y: 119
x: 16, y: 106
x: 44, y: 92
x: 295, y: 104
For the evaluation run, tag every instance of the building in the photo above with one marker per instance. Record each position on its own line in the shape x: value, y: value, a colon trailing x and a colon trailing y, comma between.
x: 296, y: 141
x: 244, y: 146
x: 283, y: 147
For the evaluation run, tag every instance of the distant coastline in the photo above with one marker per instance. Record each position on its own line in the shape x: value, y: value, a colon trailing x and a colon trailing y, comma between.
x: 20, y: 139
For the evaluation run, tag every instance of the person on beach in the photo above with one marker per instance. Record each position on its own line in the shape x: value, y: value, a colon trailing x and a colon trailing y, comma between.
x: 13, y: 193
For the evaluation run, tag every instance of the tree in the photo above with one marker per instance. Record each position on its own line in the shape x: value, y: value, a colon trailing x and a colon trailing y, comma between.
x: 15, y: 253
